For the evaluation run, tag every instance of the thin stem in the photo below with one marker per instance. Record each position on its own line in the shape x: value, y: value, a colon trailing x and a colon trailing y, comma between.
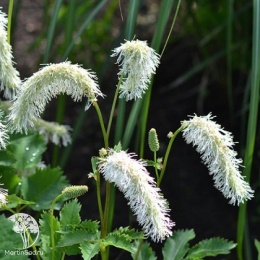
x: 10, y: 13
x: 51, y: 224
x: 113, y: 106
x: 155, y: 163
x: 138, y: 249
x: 172, y: 25
x: 167, y: 153
x: 101, y: 121
x: 99, y: 197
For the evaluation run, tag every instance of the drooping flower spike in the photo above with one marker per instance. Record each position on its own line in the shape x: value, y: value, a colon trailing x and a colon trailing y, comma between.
x: 145, y: 199
x: 54, y: 132
x: 3, y: 194
x: 9, y: 76
x: 138, y: 62
x: 3, y: 133
x: 216, y: 148
x: 47, y: 83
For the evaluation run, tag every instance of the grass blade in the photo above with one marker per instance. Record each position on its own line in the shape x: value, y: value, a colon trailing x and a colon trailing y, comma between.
x: 252, y: 121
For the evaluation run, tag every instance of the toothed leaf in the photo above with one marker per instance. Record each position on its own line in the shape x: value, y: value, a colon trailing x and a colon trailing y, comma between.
x: 76, y: 234
x: 69, y: 214
x: 43, y: 186
x: 89, y: 250
x: 177, y: 245
x: 210, y: 247
x: 145, y: 253
x: 122, y: 238
x: 47, y: 223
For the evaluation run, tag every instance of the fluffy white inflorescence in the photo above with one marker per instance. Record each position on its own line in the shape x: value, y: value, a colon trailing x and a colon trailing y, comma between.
x: 3, y: 133
x: 216, y: 148
x: 138, y: 62
x: 3, y: 194
x: 145, y: 199
x: 9, y: 76
x: 54, y: 79
x: 54, y: 132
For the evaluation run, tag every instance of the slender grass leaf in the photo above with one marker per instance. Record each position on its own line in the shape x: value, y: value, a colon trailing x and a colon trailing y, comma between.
x: 51, y: 30
x: 257, y: 245
x: 252, y: 121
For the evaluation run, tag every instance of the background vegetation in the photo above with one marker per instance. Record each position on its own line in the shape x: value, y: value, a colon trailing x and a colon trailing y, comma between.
x: 210, y: 64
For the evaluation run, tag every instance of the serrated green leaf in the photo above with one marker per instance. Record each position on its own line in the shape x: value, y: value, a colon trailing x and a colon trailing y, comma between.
x: 89, y: 225
x: 11, y: 255
x: 89, y: 250
x: 14, y: 201
x: 257, y: 245
x: 145, y: 253
x: 210, y: 247
x: 118, y: 240
x: 130, y: 234
x: 122, y: 238
x: 76, y: 237
x: 10, y: 178
x: 9, y: 240
x: 7, y: 158
x: 27, y: 150
x: 177, y: 245
x: 69, y: 214
x: 77, y: 234
x: 42, y: 187
x: 72, y: 250
x: 47, y: 223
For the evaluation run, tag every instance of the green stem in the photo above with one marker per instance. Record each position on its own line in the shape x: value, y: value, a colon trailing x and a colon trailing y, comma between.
x: 172, y: 25
x: 155, y: 163
x: 138, y: 249
x: 10, y: 13
x: 113, y: 106
x: 101, y: 121
x: 252, y: 122
x: 99, y: 197
x: 167, y: 153
x: 51, y: 224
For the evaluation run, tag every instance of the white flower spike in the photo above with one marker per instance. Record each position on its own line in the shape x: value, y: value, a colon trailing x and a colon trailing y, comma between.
x: 216, y: 148
x: 145, y: 199
x: 54, y: 132
x: 3, y: 133
x: 47, y: 83
x: 138, y: 62
x: 3, y: 194
x: 9, y: 76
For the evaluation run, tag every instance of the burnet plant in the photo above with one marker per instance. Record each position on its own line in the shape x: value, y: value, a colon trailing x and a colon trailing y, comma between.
x: 29, y: 183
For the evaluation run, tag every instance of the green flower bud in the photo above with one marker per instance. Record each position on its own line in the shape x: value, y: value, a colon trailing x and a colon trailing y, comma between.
x: 72, y: 192
x: 153, y: 141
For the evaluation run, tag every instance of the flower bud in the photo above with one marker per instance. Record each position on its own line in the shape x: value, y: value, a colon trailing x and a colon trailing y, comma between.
x: 153, y: 141
x: 72, y: 192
